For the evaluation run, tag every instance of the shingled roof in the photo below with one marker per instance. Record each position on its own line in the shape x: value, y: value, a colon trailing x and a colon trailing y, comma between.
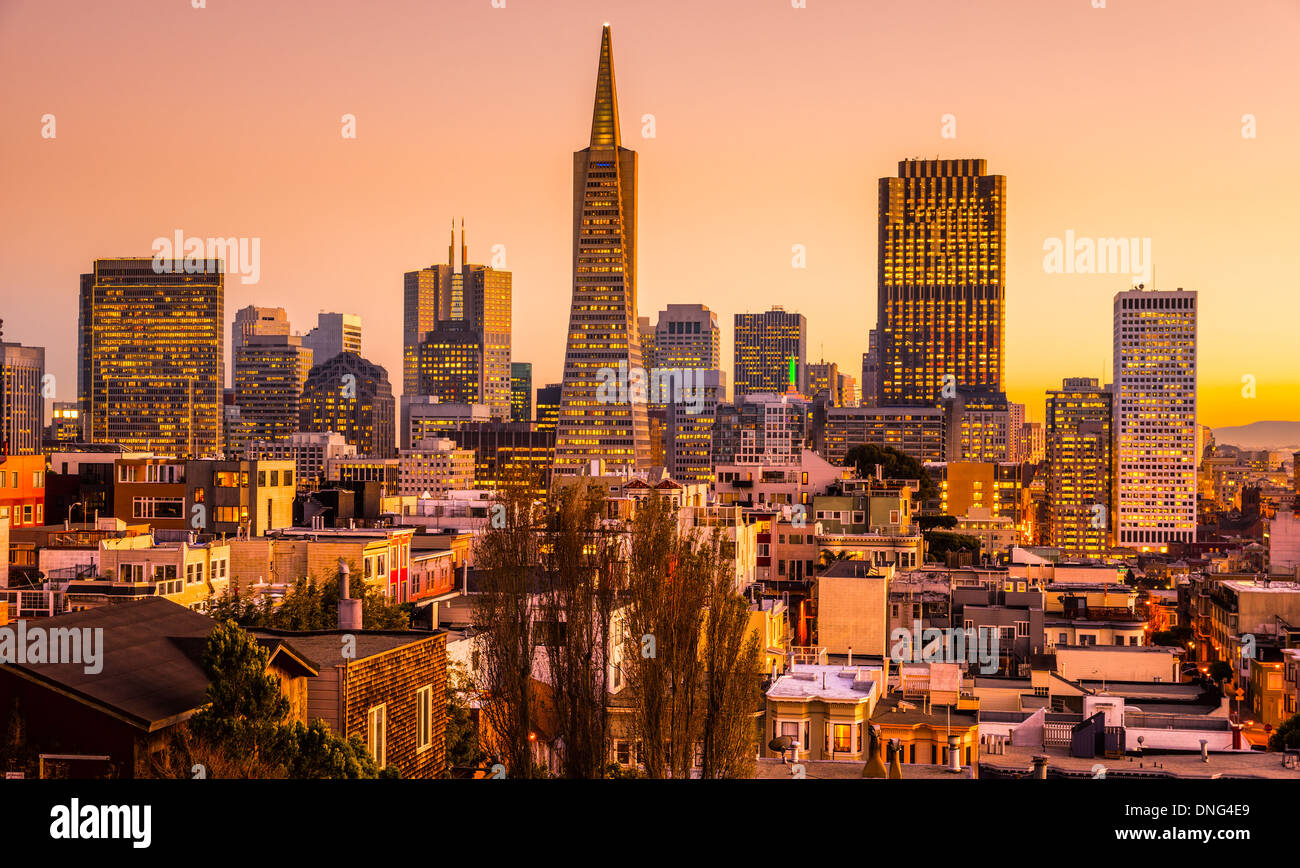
x: 152, y: 649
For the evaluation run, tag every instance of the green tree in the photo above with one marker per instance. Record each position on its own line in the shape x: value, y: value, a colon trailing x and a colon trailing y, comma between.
x: 311, y: 604
x: 864, y: 457
x: 243, y: 731
x: 464, y: 749
x: 1220, y: 672
x: 940, y: 543
x: 828, y: 557
x: 1287, y: 735
x: 934, y: 522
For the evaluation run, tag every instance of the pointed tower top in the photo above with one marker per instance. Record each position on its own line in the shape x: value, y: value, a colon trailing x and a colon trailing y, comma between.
x: 604, y: 115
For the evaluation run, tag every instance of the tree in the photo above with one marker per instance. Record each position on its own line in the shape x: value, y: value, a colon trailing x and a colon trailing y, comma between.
x: 1287, y: 735
x: 242, y: 732
x: 663, y: 623
x: 1220, y: 672
x: 828, y: 557
x: 581, y: 581
x: 464, y: 749
x: 311, y: 604
x: 504, y: 612
x: 940, y: 543
x: 926, y: 523
x: 732, y: 672
x: 896, y: 465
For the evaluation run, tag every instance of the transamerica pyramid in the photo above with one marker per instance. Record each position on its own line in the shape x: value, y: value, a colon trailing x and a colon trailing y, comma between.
x: 603, y: 340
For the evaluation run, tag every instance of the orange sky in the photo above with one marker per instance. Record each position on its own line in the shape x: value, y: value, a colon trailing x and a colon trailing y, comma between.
x: 772, y: 125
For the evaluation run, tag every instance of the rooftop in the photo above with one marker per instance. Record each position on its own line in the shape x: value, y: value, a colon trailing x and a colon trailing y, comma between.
x: 826, y: 681
x: 1239, y: 764
x: 326, y: 646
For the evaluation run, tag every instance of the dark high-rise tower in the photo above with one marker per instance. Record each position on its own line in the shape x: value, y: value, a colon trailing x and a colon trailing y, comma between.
x: 941, y: 284
x: 610, y: 423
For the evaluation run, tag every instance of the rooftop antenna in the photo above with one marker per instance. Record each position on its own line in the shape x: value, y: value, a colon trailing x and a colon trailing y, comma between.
x: 464, y: 244
x: 451, y: 245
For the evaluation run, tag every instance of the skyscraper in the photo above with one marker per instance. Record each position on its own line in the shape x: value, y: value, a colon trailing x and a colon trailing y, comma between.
x: 22, y: 399
x: 1155, y: 418
x: 334, y: 333
x: 689, y: 430
x: 548, y: 406
x: 687, y: 336
x: 649, y: 348
x: 941, y: 282
x: 603, y: 334
x: 352, y: 397
x: 824, y: 382
x: 253, y: 320
x: 769, y: 347
x: 1078, y: 433
x: 458, y: 312
x: 870, y: 392
x: 270, y: 372
x: 521, y: 391
x: 150, y: 357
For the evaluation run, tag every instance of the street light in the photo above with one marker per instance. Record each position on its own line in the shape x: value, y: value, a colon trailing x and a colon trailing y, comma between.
x: 80, y: 503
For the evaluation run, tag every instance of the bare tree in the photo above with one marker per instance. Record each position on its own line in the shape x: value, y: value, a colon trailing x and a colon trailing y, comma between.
x: 504, y: 613
x: 731, y: 672
x: 581, y: 586
x: 665, y: 600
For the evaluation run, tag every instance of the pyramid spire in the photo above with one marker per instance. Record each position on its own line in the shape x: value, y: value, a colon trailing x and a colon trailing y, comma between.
x: 604, y: 115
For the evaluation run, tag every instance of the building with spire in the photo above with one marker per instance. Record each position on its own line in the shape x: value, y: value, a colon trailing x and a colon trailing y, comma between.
x: 456, y: 332
x: 604, y: 342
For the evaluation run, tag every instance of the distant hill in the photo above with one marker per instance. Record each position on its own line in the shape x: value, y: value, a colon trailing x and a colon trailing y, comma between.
x: 1260, y: 435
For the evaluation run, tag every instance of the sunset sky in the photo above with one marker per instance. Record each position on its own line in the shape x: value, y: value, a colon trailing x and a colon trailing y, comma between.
x: 772, y: 126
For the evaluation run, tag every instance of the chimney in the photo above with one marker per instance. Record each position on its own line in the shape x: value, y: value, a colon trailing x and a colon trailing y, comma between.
x: 1040, y: 767
x: 349, y: 609
x: 954, y: 753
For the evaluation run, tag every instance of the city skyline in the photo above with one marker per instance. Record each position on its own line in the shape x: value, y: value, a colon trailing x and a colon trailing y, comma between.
x: 515, y: 187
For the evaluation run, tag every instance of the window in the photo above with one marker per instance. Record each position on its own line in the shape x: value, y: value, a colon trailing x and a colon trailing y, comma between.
x: 843, y: 738
x: 27, y: 514
x: 377, y: 734
x: 157, y: 507
x: 424, y: 718
x: 1022, y: 629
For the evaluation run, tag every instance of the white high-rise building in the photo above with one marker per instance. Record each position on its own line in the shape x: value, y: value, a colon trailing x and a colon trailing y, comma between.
x: 1155, y: 418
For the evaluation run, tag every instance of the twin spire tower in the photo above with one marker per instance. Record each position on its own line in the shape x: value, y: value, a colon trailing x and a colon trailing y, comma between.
x: 603, y: 336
